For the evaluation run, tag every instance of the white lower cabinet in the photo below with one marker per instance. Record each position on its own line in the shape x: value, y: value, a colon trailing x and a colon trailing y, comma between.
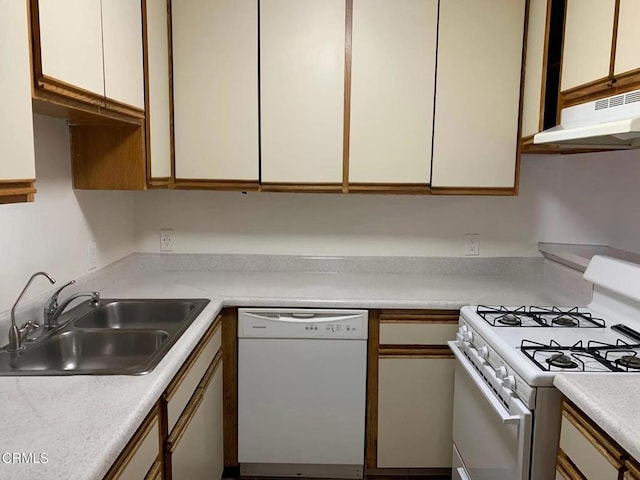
x: 196, y: 445
x: 415, y: 411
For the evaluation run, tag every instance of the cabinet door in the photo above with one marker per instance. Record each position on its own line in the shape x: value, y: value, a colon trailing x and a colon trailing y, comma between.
x: 392, y: 90
x: 198, y: 453
x: 71, y: 42
x: 415, y: 412
x: 532, y: 121
x: 302, y: 51
x: 215, y: 68
x: 122, y: 40
x: 477, y: 93
x: 627, y: 51
x: 588, y: 35
x: 158, y: 109
x: 16, y: 121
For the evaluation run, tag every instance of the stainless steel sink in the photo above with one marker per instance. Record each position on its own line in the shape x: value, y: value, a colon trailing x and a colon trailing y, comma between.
x: 158, y: 314
x: 119, y: 337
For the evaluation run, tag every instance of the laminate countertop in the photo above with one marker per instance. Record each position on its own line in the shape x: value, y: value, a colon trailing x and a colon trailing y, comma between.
x: 610, y: 400
x: 82, y: 423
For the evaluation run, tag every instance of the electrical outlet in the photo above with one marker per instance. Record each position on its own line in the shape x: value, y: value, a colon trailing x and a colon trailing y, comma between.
x: 472, y: 245
x: 92, y: 253
x: 166, y: 240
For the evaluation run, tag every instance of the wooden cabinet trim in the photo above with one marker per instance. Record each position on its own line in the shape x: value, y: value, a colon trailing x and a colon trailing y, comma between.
x: 614, y: 40
x: 302, y: 187
x: 415, y: 351
x: 17, y: 188
x: 371, y: 433
x: 188, y: 364
x: 633, y: 469
x: 601, y: 441
x: 236, y: 185
x: 152, y: 419
x: 184, y: 420
x: 419, y: 316
x: 155, y: 472
x: 230, y: 385
x: 476, y: 190
x: 566, y: 467
x: 348, y: 41
x: 390, y: 188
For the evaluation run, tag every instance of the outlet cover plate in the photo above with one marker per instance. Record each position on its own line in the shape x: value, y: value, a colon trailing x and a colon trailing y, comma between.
x: 472, y: 245
x: 166, y: 240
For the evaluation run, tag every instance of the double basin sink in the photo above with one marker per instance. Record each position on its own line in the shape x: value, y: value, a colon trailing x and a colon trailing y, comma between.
x: 118, y: 337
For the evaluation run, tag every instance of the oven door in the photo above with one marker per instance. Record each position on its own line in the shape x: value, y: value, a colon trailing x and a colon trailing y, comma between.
x: 492, y: 441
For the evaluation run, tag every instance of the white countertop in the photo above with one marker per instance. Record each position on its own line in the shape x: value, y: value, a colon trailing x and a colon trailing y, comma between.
x: 82, y: 423
x: 611, y: 401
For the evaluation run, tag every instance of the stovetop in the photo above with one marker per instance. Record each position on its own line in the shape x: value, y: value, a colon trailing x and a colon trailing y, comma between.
x: 538, y: 342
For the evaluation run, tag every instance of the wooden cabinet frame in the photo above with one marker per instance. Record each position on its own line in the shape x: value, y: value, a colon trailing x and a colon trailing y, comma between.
x: 376, y: 351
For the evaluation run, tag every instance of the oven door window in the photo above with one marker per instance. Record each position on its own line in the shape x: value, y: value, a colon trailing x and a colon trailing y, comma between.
x: 494, y: 441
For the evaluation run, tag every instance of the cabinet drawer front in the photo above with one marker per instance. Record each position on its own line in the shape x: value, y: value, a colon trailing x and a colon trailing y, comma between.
x: 144, y: 455
x: 581, y: 450
x: 417, y: 333
x: 179, y: 396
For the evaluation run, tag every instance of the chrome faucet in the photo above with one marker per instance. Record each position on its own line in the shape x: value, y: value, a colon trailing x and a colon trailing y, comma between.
x: 53, y: 310
x: 17, y: 335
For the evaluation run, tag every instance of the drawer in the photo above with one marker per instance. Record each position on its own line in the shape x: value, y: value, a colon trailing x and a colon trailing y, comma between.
x: 586, y: 450
x: 186, y: 381
x: 141, y: 455
x: 418, y: 327
x: 414, y: 333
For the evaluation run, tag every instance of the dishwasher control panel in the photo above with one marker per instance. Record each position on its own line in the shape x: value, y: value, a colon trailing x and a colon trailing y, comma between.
x: 302, y: 323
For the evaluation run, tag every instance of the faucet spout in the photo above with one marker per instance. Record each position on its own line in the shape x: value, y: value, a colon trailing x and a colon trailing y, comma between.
x: 52, y: 316
x: 16, y: 334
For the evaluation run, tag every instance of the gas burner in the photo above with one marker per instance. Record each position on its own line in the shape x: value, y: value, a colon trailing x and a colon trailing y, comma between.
x: 629, y: 361
x: 509, y: 319
x: 561, y: 360
x: 565, y: 321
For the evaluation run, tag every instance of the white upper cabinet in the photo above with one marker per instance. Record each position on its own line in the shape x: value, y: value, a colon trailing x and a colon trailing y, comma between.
x: 16, y: 121
x: 392, y: 90
x: 122, y: 44
x: 302, y: 58
x: 215, y: 71
x: 159, y: 108
x: 71, y: 42
x: 533, y: 80
x: 478, y: 93
x: 588, y: 37
x: 628, y: 40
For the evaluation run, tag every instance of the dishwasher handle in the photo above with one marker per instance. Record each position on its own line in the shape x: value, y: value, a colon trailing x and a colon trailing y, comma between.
x: 309, y: 317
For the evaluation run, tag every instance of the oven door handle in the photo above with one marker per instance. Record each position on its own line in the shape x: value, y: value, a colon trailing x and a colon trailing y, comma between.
x: 497, y: 406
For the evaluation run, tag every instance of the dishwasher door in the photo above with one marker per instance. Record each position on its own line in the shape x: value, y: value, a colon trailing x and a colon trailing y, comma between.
x: 301, y: 392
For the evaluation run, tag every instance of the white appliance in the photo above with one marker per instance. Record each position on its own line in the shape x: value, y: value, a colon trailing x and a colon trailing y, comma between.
x: 302, y: 377
x: 506, y: 411
x: 612, y: 122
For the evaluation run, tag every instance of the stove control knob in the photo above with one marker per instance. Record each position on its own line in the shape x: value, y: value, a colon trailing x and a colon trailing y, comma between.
x: 501, y: 372
x: 483, y: 353
x: 463, y: 329
x: 467, y: 336
x: 509, y: 382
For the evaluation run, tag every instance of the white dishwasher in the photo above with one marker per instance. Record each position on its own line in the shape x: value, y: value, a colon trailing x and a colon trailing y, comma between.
x: 302, y: 377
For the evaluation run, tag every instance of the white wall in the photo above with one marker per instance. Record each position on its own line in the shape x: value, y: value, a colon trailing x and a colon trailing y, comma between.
x: 572, y: 199
x: 52, y: 233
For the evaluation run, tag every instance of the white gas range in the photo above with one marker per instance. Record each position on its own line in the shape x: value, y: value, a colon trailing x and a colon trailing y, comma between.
x: 506, y: 410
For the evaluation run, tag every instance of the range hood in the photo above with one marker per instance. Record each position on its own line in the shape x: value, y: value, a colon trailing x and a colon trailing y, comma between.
x: 610, y: 123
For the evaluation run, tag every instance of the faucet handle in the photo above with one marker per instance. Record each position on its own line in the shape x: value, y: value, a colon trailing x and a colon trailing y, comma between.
x: 53, y: 302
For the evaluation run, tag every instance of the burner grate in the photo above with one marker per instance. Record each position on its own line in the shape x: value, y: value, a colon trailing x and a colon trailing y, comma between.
x: 501, y: 316
x: 594, y: 357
